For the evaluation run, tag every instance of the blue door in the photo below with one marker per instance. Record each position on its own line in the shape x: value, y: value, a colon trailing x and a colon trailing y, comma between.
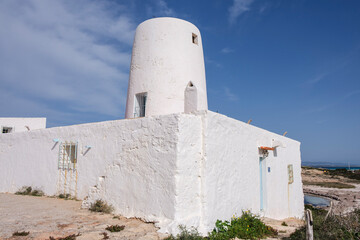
x: 262, y: 168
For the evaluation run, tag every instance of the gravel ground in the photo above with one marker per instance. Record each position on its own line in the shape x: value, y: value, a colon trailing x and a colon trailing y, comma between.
x: 44, y: 217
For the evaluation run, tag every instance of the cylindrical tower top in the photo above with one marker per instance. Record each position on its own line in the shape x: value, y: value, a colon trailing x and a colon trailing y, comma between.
x: 167, y: 72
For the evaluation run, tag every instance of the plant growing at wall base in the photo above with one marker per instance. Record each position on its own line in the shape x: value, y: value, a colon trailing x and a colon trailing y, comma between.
x: 101, y: 206
x: 27, y: 190
x: 248, y: 226
x: 186, y: 234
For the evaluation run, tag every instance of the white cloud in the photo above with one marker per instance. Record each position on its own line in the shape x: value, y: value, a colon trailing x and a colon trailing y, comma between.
x: 238, y: 8
x: 227, y: 50
x: 73, y: 55
x: 229, y: 95
x: 160, y: 9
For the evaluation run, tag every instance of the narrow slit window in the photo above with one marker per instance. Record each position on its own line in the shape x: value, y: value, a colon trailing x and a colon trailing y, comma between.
x: 194, y: 38
x: 140, y: 105
x: 6, y: 129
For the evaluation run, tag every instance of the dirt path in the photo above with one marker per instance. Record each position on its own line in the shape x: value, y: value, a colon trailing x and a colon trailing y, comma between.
x: 44, y: 217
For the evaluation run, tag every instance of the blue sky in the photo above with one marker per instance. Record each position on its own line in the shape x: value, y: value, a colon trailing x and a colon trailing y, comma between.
x: 289, y: 65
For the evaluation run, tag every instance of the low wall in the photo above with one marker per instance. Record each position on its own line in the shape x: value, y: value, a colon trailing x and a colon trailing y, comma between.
x: 132, y: 161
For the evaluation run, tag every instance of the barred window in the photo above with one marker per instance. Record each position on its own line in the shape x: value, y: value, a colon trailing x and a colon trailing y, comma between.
x: 67, y: 156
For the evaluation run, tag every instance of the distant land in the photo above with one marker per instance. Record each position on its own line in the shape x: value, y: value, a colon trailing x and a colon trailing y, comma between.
x: 330, y: 165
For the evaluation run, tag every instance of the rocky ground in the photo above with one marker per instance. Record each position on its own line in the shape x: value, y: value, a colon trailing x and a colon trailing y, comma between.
x: 344, y: 199
x: 44, y: 217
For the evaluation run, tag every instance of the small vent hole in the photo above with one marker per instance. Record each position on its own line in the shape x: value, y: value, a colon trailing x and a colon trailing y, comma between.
x: 194, y: 38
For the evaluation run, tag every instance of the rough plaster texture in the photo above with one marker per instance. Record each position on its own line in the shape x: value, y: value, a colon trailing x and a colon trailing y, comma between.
x: 189, y: 169
x: 231, y: 176
x: 164, y: 61
x: 22, y: 124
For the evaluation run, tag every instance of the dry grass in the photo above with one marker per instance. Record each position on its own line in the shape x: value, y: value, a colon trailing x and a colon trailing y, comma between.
x: 329, y: 184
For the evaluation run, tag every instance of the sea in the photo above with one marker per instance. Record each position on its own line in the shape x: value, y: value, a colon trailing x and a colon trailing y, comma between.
x: 347, y: 168
x: 332, y: 166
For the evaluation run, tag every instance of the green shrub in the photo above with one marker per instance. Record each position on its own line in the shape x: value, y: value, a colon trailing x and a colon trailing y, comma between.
x: 23, y: 233
x: 27, y: 190
x: 186, y: 234
x: 334, y: 227
x: 248, y: 226
x: 101, y: 206
x: 115, y: 228
x: 284, y: 224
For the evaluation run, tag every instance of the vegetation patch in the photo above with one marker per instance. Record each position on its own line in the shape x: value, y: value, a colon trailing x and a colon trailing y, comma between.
x: 70, y: 237
x: 23, y: 233
x: 115, y: 228
x: 330, y: 184
x: 105, y: 235
x: 101, y: 206
x: 355, y: 175
x: 284, y: 224
x: 334, y: 227
x: 248, y: 226
x: 66, y: 196
x: 27, y: 190
x: 186, y: 234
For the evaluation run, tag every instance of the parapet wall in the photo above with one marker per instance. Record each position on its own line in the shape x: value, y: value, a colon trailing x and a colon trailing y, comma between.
x: 22, y: 124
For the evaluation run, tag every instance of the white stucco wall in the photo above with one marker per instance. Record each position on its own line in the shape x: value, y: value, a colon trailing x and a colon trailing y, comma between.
x: 188, y: 169
x: 164, y: 60
x: 22, y: 124
x: 231, y: 172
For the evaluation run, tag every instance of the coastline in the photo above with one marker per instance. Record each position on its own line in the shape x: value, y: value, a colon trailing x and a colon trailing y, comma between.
x: 345, y: 198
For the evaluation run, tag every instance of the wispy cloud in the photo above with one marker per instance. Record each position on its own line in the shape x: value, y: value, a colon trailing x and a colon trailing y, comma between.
x: 229, y: 95
x: 317, y: 78
x: 238, y: 8
x: 334, y: 103
x: 70, y: 54
x: 159, y: 8
x: 212, y: 62
x: 227, y: 50
x: 352, y: 93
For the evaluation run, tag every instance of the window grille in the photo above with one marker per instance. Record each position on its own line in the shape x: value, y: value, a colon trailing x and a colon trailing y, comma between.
x: 140, y: 105
x: 67, y: 156
x: 290, y: 173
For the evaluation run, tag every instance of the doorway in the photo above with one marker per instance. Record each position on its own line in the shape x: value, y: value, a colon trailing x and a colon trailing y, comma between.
x: 262, y: 174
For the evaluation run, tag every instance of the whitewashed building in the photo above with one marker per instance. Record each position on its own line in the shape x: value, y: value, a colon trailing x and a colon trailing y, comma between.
x: 171, y: 161
x: 11, y: 125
